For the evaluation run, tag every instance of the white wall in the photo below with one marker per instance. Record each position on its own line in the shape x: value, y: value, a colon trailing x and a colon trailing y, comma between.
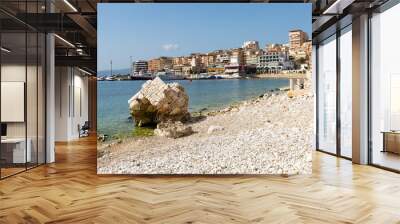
x: 80, y: 109
x: 62, y: 82
x: 71, y: 87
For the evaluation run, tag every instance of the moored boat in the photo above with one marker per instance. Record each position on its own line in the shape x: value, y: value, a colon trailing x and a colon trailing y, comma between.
x: 169, y: 76
x: 142, y: 76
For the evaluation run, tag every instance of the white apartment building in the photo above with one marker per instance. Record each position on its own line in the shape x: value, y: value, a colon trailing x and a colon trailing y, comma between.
x: 251, y: 44
x: 140, y: 66
x: 274, y: 61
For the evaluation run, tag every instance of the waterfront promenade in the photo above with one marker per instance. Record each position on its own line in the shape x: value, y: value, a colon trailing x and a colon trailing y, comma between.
x: 292, y: 75
x: 282, y: 75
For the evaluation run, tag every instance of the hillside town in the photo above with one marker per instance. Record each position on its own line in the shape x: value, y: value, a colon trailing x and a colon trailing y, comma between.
x: 249, y: 60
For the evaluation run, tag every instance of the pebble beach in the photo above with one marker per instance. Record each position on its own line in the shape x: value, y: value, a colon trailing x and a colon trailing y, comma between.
x: 270, y: 134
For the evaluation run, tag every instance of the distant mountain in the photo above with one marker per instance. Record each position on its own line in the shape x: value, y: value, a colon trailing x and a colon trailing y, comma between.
x: 122, y: 71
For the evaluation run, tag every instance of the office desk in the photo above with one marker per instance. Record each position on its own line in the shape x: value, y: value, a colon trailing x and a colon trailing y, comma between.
x: 15, y: 148
x: 391, y: 141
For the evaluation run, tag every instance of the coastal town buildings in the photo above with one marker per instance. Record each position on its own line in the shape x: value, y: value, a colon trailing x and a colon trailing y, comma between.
x: 153, y: 65
x: 160, y: 64
x: 140, y: 66
x: 233, y: 71
x: 197, y: 63
x: 274, y: 61
x: 300, y: 48
x: 203, y: 60
x: 296, y: 40
x: 235, y: 67
x: 224, y: 58
x: 252, y: 44
x: 177, y: 69
x: 211, y: 59
x: 216, y: 69
x: 178, y: 61
x: 248, y: 58
x: 305, y: 50
x: 237, y: 57
x: 251, y: 52
x: 251, y: 56
x: 277, y: 48
x: 186, y: 70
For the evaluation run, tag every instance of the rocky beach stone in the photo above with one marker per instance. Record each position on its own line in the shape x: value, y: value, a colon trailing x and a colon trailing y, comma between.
x: 173, y: 129
x: 159, y: 102
x: 214, y: 128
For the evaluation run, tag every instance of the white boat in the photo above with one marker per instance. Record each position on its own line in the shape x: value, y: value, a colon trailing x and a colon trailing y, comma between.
x: 109, y: 78
x: 142, y: 76
x: 230, y: 76
x: 200, y: 76
x: 168, y: 76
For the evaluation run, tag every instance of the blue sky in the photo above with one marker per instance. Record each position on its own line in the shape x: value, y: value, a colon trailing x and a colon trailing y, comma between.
x: 146, y: 31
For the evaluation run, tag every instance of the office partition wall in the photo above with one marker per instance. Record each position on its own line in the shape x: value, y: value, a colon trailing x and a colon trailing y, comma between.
x: 14, y: 153
x: 22, y: 77
x: 345, y: 60
x: 385, y: 89
x: 326, y: 95
x: 334, y: 90
x: 383, y: 74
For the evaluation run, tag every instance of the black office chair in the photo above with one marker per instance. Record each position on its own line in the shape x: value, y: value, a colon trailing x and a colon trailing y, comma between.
x: 84, y: 130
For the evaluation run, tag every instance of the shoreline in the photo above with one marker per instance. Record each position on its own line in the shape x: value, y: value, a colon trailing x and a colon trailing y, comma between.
x: 223, y: 109
x: 252, y: 77
x: 249, y: 139
x: 210, y: 111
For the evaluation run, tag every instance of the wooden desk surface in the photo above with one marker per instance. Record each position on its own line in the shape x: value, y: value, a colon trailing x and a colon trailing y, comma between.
x: 391, y: 132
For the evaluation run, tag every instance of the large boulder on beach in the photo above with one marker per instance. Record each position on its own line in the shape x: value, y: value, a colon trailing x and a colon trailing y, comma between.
x: 159, y: 102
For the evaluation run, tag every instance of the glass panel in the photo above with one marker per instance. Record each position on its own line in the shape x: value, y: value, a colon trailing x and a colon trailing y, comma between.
x: 41, y: 98
x: 385, y: 86
x: 2, y: 161
x: 23, y: 90
x: 346, y: 92
x: 327, y: 95
x: 31, y: 99
x: 13, y: 89
x: 32, y: 90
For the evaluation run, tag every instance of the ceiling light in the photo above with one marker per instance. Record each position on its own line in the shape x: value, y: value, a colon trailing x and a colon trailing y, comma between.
x: 337, y: 7
x: 64, y: 40
x: 86, y: 72
x: 5, y: 50
x: 70, y: 5
x: 79, y: 51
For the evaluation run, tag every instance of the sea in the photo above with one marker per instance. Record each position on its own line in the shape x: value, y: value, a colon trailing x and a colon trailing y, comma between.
x: 113, y: 109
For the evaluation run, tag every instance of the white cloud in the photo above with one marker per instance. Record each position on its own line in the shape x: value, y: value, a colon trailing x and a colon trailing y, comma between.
x: 170, y: 47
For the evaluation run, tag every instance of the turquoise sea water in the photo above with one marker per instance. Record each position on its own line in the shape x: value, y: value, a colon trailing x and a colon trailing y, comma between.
x: 113, y: 109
